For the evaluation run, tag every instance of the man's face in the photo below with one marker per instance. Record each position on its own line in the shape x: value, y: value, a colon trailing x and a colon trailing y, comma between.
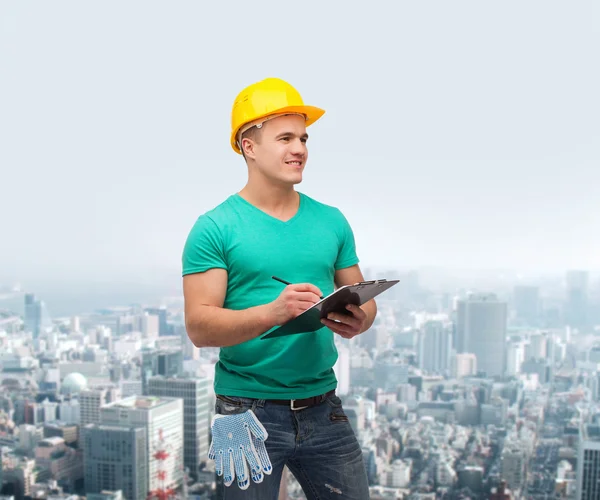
x: 280, y: 152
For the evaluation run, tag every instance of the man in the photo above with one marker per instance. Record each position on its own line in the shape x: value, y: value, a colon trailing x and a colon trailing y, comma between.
x: 287, y: 384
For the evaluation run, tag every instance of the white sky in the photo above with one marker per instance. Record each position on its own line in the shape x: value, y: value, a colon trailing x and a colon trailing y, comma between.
x: 459, y: 134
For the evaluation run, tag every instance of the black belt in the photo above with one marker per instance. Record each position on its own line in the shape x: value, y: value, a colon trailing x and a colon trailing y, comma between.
x: 301, y: 404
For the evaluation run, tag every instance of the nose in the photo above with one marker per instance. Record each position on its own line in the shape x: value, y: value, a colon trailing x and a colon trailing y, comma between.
x: 298, y: 147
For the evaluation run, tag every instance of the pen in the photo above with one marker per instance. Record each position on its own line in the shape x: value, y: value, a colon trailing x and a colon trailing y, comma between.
x: 285, y: 282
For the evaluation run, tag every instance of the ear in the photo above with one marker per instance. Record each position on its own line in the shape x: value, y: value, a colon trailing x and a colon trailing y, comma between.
x: 248, y: 148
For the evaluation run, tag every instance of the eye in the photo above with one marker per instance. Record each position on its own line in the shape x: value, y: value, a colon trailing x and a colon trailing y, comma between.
x: 304, y: 140
x: 284, y: 139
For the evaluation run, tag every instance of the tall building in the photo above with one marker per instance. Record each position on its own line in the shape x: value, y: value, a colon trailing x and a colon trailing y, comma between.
x: 196, y: 415
x: 90, y: 402
x: 165, y: 362
x: 514, y: 463
x: 161, y: 313
x: 481, y: 330
x: 588, y: 463
x: 342, y: 369
x: 116, y: 458
x: 157, y: 415
x: 538, y: 346
x: 37, y: 319
x: 576, y: 307
x: 464, y: 365
x: 527, y: 304
x: 435, y: 347
x: 515, y: 356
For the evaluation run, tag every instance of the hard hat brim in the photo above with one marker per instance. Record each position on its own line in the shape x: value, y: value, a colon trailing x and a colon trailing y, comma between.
x: 312, y: 114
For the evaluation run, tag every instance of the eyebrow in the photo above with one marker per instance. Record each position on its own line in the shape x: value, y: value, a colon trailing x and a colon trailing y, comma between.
x: 283, y: 134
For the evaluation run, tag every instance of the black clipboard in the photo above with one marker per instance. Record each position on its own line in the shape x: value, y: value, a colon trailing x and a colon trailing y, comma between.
x: 310, y: 320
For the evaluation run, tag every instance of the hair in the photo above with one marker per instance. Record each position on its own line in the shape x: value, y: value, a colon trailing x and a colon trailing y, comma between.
x: 253, y: 133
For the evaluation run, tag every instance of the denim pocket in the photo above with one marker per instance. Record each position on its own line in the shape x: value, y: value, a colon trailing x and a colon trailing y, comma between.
x: 334, y: 401
x: 338, y: 416
x: 228, y: 405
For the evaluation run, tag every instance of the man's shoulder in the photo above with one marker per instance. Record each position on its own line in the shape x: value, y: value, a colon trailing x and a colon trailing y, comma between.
x: 218, y: 214
x: 320, y: 206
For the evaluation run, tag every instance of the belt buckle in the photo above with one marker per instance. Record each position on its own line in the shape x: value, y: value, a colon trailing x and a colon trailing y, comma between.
x: 292, y: 401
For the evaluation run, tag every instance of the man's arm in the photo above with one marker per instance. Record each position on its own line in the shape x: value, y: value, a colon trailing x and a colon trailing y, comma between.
x: 209, y: 324
x: 349, y: 276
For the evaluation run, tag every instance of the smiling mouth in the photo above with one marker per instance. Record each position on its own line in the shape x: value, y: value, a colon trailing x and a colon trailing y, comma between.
x: 294, y: 163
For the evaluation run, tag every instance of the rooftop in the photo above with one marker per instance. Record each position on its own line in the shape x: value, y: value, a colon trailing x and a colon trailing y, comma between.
x: 591, y: 432
x: 139, y: 402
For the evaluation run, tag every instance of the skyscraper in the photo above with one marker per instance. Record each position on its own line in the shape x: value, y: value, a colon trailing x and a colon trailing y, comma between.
x: 37, y: 319
x: 576, y: 307
x: 435, y: 347
x: 116, y: 458
x: 156, y: 415
x: 481, y: 330
x: 165, y: 362
x: 588, y: 463
x: 196, y: 414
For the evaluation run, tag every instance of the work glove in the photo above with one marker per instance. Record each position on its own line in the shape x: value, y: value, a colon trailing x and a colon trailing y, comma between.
x: 238, y: 441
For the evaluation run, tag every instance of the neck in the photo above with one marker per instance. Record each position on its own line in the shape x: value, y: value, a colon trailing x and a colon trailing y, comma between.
x: 273, y: 198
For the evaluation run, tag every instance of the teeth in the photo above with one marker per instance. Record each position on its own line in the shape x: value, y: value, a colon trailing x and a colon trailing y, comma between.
x: 293, y: 163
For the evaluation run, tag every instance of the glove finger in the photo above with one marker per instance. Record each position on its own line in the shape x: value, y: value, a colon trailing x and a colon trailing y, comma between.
x: 254, y: 463
x: 241, y: 468
x: 252, y: 458
x: 255, y: 426
x: 263, y: 456
x: 228, y: 469
x: 219, y: 463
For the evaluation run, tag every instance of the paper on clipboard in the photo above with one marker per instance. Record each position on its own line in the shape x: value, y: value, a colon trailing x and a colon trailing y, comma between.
x: 310, y: 320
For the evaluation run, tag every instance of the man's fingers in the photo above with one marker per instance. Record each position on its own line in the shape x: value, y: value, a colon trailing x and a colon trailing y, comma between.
x: 339, y: 328
x: 306, y: 297
x: 307, y: 287
x: 344, y: 319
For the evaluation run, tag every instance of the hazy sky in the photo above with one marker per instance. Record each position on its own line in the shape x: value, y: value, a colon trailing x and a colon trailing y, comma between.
x: 461, y: 134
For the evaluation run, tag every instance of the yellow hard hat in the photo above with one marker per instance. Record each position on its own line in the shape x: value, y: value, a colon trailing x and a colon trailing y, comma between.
x: 264, y: 100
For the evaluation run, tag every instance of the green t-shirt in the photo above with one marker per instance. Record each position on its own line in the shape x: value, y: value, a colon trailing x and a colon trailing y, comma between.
x: 254, y: 246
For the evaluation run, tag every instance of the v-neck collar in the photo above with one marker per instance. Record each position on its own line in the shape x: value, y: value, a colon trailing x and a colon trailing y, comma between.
x: 271, y: 217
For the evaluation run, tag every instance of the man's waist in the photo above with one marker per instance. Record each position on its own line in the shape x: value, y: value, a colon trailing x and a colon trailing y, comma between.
x: 294, y: 404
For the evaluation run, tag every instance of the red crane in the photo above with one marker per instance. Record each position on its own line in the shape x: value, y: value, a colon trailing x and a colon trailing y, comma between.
x: 162, y: 492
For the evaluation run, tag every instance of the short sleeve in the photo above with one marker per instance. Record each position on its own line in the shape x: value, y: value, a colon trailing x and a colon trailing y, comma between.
x: 347, y: 256
x: 204, y: 248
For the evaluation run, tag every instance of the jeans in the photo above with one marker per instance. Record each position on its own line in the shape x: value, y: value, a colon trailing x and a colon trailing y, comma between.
x: 317, y: 444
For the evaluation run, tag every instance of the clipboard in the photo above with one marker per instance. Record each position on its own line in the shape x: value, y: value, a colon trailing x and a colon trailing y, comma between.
x: 310, y: 320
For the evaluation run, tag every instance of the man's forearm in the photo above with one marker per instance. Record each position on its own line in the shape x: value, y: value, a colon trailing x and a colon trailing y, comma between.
x: 210, y: 326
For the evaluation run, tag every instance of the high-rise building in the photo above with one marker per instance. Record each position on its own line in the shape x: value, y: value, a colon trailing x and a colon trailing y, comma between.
x: 165, y: 362
x: 161, y: 313
x: 116, y: 458
x: 435, y: 347
x: 159, y: 416
x: 464, y: 365
x: 514, y: 462
x: 342, y: 369
x: 576, y: 307
x: 538, y: 346
x: 90, y: 402
x: 527, y: 304
x: 196, y: 415
x: 588, y: 463
x: 37, y: 319
x: 481, y: 330
x: 515, y: 356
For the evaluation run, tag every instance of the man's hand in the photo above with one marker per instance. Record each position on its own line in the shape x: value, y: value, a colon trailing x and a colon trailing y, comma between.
x: 293, y: 301
x: 347, y: 325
